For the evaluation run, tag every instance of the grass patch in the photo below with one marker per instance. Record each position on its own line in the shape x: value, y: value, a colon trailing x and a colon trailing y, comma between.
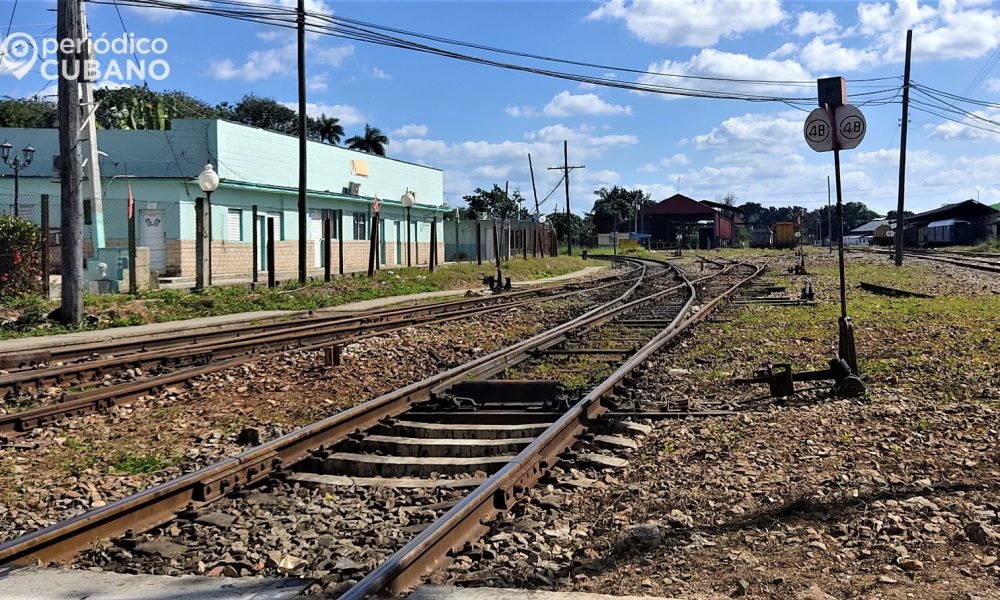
x: 120, y: 310
x: 135, y: 464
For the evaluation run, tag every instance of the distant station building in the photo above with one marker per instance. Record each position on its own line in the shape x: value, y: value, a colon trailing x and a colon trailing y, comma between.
x: 966, y: 222
x: 257, y: 168
x: 697, y: 223
x: 872, y: 232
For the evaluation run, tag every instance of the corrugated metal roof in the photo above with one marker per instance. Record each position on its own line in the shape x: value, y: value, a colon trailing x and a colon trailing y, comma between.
x: 946, y: 223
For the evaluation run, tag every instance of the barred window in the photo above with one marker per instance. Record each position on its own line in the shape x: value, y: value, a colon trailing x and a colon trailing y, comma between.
x: 360, y: 226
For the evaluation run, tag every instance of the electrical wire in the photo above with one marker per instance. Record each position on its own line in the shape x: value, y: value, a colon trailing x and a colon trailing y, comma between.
x: 10, y: 24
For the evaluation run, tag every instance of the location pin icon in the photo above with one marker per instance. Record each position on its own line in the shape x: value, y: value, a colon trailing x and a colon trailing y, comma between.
x: 18, y: 54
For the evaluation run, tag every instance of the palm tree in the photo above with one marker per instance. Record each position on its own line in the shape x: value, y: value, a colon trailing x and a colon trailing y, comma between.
x: 373, y: 142
x: 329, y: 129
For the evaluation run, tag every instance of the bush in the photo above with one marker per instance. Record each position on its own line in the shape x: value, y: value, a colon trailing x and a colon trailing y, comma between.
x: 20, y: 258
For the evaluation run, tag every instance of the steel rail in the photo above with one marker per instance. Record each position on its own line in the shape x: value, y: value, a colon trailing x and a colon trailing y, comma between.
x: 468, y: 520
x: 293, y: 338
x: 104, y: 397
x: 160, y: 503
x: 206, y: 334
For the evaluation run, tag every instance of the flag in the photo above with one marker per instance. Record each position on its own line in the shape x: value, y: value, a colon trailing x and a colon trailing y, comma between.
x: 131, y: 201
x: 375, y: 206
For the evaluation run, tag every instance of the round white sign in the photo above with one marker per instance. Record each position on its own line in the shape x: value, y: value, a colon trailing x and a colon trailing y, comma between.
x: 541, y: 218
x: 890, y: 233
x: 818, y: 131
x: 851, y: 126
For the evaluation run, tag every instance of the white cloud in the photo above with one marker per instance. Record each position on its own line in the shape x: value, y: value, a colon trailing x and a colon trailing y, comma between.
x: 993, y: 85
x: 348, y: 115
x: 951, y: 30
x: 565, y: 104
x: 784, y: 51
x: 317, y: 83
x: 521, y: 111
x: 491, y: 172
x: 690, y: 22
x: 715, y: 63
x: 264, y: 64
x: 411, y: 131
x: 751, y: 133
x: 826, y: 55
x: 970, y: 128
x: 811, y: 23
x: 378, y: 73
x: 670, y: 161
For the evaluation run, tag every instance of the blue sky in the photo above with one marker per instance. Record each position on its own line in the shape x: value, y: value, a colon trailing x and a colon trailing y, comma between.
x: 478, y: 123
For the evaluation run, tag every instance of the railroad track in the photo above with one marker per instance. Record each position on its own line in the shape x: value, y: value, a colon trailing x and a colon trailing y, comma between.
x: 174, y: 365
x: 478, y: 425
x: 977, y: 261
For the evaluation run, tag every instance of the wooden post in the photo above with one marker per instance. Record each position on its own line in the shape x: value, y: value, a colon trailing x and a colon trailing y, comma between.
x: 479, y: 242
x: 46, y: 288
x: 416, y: 244
x: 340, y: 239
x: 327, y: 248
x: 256, y: 246
x: 68, y: 27
x: 331, y: 355
x: 302, y: 131
x: 271, y: 267
x: 524, y: 244
x: 133, y: 286
x: 201, y: 252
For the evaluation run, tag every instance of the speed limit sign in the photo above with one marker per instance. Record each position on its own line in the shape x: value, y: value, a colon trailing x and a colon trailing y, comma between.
x: 851, y: 126
x: 818, y: 130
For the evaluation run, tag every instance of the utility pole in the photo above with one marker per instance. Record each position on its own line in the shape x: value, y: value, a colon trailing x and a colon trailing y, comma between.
x: 566, y: 169
x: 902, y: 150
x: 302, y: 138
x: 534, y: 191
x: 829, y: 214
x: 91, y: 159
x: 71, y: 218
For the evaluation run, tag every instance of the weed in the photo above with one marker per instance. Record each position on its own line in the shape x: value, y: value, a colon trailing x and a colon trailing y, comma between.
x: 922, y: 425
x: 127, y: 462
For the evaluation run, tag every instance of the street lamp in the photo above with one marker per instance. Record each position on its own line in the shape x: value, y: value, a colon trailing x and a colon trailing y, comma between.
x: 208, y: 181
x: 17, y: 163
x: 408, y: 199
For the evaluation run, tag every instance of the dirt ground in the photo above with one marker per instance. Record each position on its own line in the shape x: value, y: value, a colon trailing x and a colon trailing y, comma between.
x: 891, y: 495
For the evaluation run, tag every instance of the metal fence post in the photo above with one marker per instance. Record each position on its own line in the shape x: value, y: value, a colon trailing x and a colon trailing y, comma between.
x: 256, y: 245
x: 271, y: 267
x: 133, y: 286
x: 327, y: 248
x: 340, y: 238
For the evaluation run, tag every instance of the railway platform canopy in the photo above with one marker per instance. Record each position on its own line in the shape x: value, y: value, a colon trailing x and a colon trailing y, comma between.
x: 698, y: 223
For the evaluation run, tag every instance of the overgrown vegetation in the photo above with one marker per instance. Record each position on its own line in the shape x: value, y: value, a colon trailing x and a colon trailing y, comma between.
x: 20, y: 258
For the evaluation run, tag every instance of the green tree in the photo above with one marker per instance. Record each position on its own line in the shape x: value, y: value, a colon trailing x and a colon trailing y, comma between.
x: 617, y: 208
x: 326, y: 129
x: 130, y: 107
x: 372, y: 142
x: 28, y: 113
x: 582, y: 229
x: 20, y: 257
x: 265, y: 113
x: 495, y: 203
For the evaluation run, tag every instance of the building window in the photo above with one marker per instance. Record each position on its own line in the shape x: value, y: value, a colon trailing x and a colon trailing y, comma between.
x: 360, y: 226
x: 234, y: 225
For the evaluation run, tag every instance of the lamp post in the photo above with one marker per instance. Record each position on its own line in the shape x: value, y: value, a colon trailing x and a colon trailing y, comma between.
x: 408, y: 199
x: 208, y: 181
x: 17, y: 163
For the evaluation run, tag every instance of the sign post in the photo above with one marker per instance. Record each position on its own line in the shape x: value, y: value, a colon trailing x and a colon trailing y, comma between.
x: 836, y: 126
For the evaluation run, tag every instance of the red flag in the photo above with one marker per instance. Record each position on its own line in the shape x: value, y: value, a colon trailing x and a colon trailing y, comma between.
x: 375, y: 206
x: 131, y: 200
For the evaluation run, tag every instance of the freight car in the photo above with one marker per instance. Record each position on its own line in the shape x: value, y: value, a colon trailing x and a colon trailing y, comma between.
x: 784, y: 235
x: 945, y: 233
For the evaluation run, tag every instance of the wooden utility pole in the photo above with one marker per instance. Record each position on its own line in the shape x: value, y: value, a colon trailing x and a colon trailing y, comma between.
x: 534, y: 191
x: 70, y: 169
x: 566, y: 169
x: 902, y: 151
x: 302, y: 138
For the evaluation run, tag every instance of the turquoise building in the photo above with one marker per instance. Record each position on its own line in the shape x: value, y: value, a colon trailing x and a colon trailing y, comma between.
x: 257, y: 168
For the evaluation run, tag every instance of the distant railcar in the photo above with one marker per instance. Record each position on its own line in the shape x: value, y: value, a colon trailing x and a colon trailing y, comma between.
x: 784, y: 235
x: 948, y: 232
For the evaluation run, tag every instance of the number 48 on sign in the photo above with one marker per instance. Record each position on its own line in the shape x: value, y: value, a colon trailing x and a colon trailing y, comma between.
x: 822, y: 136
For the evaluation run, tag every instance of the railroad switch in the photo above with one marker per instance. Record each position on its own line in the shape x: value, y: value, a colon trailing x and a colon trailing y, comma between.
x: 780, y: 378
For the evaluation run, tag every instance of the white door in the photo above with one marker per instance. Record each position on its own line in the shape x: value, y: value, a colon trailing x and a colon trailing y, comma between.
x: 152, y: 235
x: 316, y: 233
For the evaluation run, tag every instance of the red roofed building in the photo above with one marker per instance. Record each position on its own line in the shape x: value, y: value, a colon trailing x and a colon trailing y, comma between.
x: 700, y: 223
